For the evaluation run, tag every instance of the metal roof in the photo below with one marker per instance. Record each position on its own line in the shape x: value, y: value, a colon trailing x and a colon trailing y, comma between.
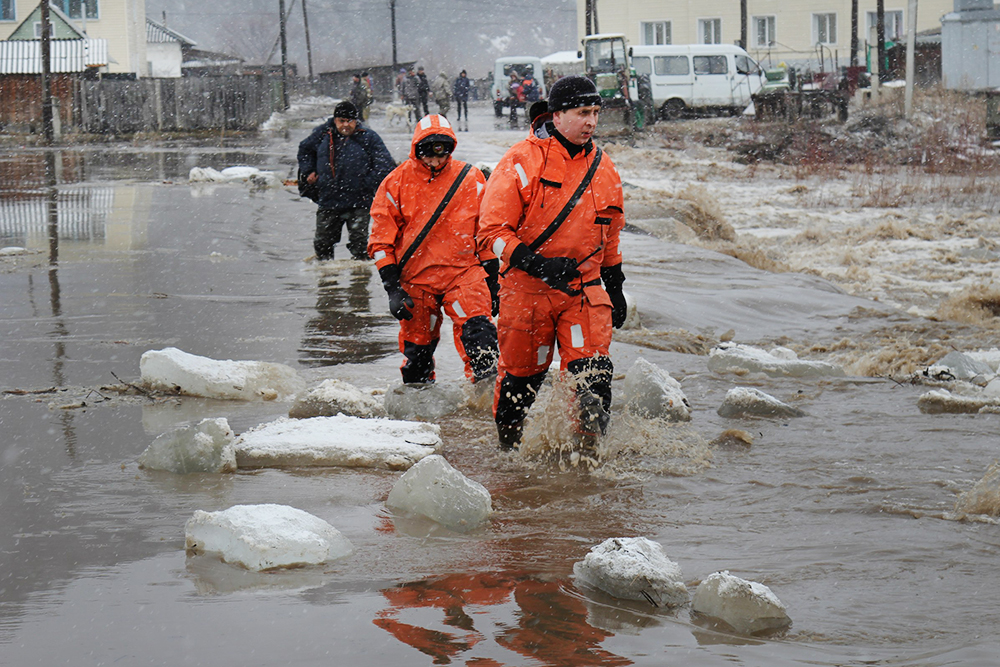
x: 66, y: 55
x: 158, y: 33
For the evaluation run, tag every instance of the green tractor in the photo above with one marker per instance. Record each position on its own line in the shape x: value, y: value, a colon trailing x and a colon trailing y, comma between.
x: 607, y: 63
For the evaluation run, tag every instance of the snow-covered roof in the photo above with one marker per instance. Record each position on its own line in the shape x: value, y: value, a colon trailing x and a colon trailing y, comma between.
x: 562, y: 57
x: 158, y: 33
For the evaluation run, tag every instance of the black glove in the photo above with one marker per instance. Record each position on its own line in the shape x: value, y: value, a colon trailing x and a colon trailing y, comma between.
x: 613, y: 279
x: 399, y: 300
x: 557, y: 272
x: 492, y: 267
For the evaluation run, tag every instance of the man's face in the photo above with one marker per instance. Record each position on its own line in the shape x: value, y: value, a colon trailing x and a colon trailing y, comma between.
x: 345, y: 127
x: 434, y: 163
x: 578, y: 124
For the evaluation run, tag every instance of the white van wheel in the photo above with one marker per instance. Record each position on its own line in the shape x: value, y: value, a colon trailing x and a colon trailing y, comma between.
x: 672, y: 109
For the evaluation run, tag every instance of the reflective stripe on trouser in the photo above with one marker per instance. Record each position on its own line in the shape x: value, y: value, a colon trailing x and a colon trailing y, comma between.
x: 329, y: 227
x: 531, y: 325
x: 468, y: 305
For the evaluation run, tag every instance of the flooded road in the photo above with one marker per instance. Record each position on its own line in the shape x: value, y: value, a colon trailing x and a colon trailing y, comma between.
x: 846, y: 513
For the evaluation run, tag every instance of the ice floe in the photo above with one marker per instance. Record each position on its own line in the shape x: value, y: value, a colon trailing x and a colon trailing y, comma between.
x: 435, y: 489
x: 177, y: 371
x: 967, y: 366
x: 203, y: 447
x: 334, y: 397
x: 427, y: 402
x: 972, y: 400
x: 749, y: 402
x: 651, y: 392
x: 264, y: 537
x: 337, y: 441
x: 749, y: 607
x: 13, y: 250
x: 737, y: 358
x: 252, y: 175
x: 633, y: 568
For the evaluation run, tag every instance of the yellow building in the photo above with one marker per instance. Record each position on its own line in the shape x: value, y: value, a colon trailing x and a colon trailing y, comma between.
x: 121, y: 22
x: 805, y: 31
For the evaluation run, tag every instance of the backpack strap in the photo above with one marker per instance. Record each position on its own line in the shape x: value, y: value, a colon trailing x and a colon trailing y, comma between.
x: 570, y: 205
x: 434, y: 218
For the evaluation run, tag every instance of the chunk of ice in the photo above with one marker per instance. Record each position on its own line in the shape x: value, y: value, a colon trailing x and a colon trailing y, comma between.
x: 434, y: 489
x: 204, y: 447
x: 13, y: 250
x: 749, y: 402
x: 633, y: 568
x: 337, y: 441
x: 942, y: 401
x: 651, y: 392
x: 264, y: 537
x: 173, y: 370
x: 747, y: 606
x: 426, y: 402
x: 734, y: 357
x: 960, y: 366
x: 334, y: 397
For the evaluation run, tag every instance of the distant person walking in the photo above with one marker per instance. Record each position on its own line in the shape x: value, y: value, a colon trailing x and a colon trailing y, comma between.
x: 342, y: 163
x: 411, y: 94
x: 460, y: 91
x: 423, y: 91
x: 361, y: 95
x: 441, y: 89
x: 423, y: 241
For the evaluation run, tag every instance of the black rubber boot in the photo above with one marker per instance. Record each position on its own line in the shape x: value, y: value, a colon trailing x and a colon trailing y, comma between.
x: 510, y: 435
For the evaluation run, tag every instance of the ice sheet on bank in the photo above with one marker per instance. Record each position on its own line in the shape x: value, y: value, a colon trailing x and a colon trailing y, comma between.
x: 651, y: 392
x: 333, y: 397
x: 337, y: 441
x: 177, y: 371
x: 435, y: 489
x: 263, y: 537
x: 747, y: 606
x: 734, y: 357
x: 749, y: 402
x: 203, y: 447
x: 426, y: 402
x: 633, y: 568
x: 13, y: 250
x: 251, y: 175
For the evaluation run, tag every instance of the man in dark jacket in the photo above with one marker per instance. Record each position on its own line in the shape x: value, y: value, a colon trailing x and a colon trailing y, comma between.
x: 423, y: 89
x: 460, y: 91
x: 346, y: 161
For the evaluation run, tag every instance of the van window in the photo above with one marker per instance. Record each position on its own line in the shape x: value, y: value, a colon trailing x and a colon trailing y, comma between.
x: 672, y: 65
x: 642, y: 66
x: 710, y: 65
x: 746, y: 65
x: 522, y: 69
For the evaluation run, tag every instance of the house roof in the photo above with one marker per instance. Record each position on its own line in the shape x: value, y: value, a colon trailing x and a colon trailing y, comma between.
x: 62, y: 25
x: 158, y: 33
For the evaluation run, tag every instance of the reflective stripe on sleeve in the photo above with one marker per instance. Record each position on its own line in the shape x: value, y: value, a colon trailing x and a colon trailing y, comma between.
x: 379, y: 254
x: 520, y: 172
x: 498, y: 247
x: 458, y: 308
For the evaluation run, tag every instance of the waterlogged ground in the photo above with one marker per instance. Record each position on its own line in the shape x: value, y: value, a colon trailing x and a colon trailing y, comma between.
x: 847, y: 514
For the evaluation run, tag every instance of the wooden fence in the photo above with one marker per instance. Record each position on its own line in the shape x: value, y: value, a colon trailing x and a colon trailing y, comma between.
x: 123, y: 107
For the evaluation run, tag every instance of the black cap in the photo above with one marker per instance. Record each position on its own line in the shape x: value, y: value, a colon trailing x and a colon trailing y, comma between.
x: 435, y: 145
x: 571, y: 92
x: 345, y: 110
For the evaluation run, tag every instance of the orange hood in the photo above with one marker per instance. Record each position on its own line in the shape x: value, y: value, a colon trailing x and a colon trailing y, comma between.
x: 428, y: 125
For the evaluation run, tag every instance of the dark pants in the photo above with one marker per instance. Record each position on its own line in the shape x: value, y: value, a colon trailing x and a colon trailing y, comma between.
x: 329, y: 225
x: 462, y: 104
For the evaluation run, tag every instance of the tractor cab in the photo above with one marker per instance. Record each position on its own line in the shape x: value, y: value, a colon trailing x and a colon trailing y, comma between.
x: 606, y: 62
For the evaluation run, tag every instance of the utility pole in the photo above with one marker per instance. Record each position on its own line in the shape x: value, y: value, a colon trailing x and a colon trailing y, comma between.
x: 883, y: 71
x: 284, y: 57
x: 597, y: 29
x: 911, y: 44
x: 743, y: 24
x: 309, y: 51
x: 392, y: 12
x: 48, y: 130
x: 590, y: 17
x: 854, y: 33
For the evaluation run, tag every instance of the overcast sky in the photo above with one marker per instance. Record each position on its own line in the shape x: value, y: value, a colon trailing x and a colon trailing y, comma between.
x: 440, y: 34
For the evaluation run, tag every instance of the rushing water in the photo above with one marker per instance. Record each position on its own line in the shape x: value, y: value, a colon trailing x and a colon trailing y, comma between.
x: 846, y: 514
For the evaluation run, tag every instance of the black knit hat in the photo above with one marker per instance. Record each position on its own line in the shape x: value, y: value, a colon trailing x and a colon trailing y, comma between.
x: 345, y: 110
x: 571, y: 92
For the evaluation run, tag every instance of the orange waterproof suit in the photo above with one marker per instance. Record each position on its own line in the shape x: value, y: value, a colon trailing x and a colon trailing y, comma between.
x: 529, y: 189
x: 444, y: 272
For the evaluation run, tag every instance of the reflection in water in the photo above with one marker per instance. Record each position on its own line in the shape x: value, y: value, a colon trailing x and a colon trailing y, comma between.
x: 537, y: 619
x: 343, y: 329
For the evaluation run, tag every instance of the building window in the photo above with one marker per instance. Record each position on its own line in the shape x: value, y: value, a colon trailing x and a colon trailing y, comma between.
x: 894, y: 30
x: 38, y: 30
x: 763, y: 31
x: 656, y: 32
x: 74, y: 8
x: 824, y: 28
x: 7, y: 10
x: 710, y: 31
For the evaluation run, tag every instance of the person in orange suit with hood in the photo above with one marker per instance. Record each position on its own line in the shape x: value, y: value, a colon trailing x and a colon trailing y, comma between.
x: 552, y: 212
x: 423, y: 241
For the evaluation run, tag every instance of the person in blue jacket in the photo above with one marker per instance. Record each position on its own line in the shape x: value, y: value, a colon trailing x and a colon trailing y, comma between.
x: 343, y: 162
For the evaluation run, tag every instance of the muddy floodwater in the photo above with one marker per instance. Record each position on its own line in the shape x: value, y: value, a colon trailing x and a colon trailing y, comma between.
x: 847, y: 514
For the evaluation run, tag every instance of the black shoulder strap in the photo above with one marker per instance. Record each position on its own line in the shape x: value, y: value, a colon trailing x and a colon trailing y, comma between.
x: 570, y: 205
x: 434, y: 218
